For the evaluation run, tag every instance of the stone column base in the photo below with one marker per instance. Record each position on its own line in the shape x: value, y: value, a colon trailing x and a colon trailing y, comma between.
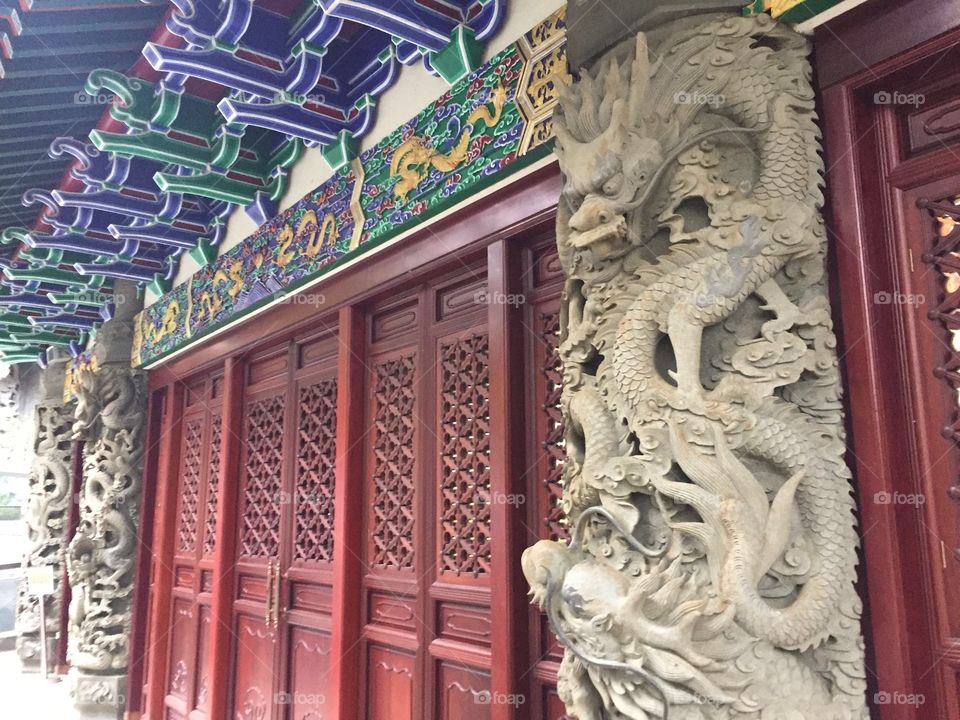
x: 98, y: 697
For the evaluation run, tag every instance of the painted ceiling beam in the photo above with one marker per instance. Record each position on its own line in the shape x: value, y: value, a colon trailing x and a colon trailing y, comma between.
x: 121, y: 270
x: 298, y: 76
x: 65, y: 320
x: 56, y: 276
x: 299, y: 121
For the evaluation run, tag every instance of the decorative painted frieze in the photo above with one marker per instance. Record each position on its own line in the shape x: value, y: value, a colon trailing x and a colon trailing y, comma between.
x: 491, y: 123
x: 793, y: 11
x: 712, y: 560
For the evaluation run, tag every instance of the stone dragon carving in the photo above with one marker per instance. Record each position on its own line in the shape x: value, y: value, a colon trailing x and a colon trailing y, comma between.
x: 110, y: 416
x: 711, y: 570
x: 45, y: 511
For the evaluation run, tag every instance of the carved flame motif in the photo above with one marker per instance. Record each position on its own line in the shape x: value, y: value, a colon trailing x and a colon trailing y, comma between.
x: 711, y: 568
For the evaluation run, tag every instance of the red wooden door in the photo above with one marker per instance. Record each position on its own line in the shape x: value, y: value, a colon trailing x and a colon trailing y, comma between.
x: 194, y: 543
x: 305, y: 584
x: 285, y: 543
x: 408, y: 604
x: 543, y: 284
x: 391, y: 636
x: 264, y: 456
x: 893, y: 142
x: 427, y: 590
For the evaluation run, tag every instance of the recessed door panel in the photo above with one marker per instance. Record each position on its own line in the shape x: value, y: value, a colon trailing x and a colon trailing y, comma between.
x: 254, y: 695
x: 390, y: 684
x: 307, y: 695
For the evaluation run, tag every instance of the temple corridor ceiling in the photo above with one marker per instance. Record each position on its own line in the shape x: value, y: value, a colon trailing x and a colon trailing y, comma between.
x: 130, y: 132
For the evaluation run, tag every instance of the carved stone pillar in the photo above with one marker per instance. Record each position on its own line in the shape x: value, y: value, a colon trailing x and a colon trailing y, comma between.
x: 111, y: 412
x: 46, y: 509
x: 711, y: 570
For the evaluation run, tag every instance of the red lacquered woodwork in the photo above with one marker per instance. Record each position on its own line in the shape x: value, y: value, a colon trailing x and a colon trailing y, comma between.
x: 889, y: 144
x: 378, y: 467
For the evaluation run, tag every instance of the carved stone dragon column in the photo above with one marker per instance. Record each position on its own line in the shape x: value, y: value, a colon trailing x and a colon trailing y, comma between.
x: 46, y: 509
x: 111, y: 413
x: 711, y: 570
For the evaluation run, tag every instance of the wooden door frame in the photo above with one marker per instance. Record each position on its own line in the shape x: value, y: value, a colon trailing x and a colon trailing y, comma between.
x: 869, y: 188
x: 491, y: 227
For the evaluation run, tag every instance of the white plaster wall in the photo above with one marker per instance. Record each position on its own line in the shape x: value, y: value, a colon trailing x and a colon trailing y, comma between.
x: 414, y: 89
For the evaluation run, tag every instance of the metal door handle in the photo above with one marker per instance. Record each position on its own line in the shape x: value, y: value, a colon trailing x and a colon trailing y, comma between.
x: 277, y: 580
x: 269, y: 610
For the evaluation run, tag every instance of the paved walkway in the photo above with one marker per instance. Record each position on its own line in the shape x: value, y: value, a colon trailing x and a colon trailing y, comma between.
x: 29, y: 696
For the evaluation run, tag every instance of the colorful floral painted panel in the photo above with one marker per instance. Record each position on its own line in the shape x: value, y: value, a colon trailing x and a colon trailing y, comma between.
x: 494, y: 121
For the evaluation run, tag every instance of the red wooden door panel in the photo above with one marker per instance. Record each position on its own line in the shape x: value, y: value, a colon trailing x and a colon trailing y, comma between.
x: 543, y: 280
x: 256, y: 646
x: 192, y: 575
x: 390, y: 687
x: 391, y: 633
x: 897, y: 309
x: 306, y: 576
x: 424, y: 557
x: 457, y: 620
x: 263, y: 457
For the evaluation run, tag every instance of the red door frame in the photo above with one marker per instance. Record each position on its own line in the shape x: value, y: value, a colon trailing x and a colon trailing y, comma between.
x: 894, y: 410
x: 487, y: 225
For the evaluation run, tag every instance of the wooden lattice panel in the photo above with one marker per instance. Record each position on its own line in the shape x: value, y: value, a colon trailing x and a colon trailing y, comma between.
x: 393, y: 450
x: 465, y: 456
x: 551, y: 375
x: 260, y: 535
x: 213, y: 486
x: 316, y: 463
x: 190, y: 471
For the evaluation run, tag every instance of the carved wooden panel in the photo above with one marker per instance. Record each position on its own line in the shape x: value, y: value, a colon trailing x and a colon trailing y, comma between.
x: 546, y: 266
x: 183, y: 577
x: 213, y: 486
x: 469, y: 624
x: 464, y: 693
x: 394, y: 322
x: 253, y: 697
x: 181, y: 648
x: 202, y: 685
x: 393, y: 450
x: 391, y: 609
x: 190, y: 477
x: 260, y: 531
x: 389, y: 685
x: 551, y: 387
x: 461, y: 298
x: 311, y: 597
x: 309, y: 665
x: 316, y: 461
x: 465, y: 456
x: 943, y: 254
